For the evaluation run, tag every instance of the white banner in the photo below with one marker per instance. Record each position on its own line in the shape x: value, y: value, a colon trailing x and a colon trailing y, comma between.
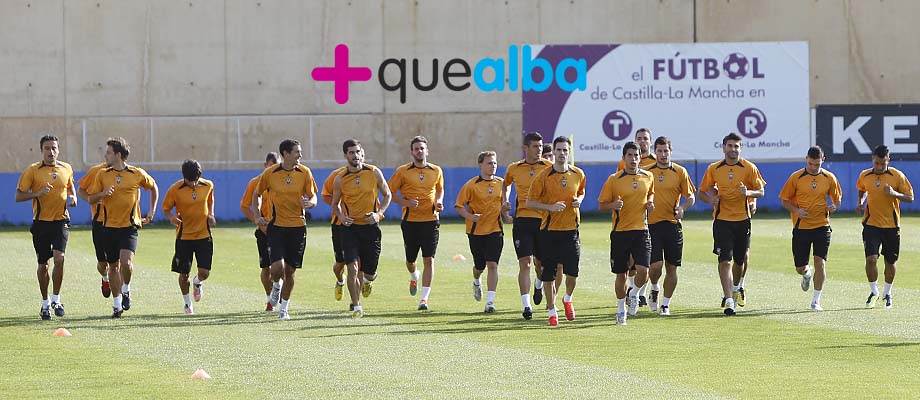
x: 694, y: 93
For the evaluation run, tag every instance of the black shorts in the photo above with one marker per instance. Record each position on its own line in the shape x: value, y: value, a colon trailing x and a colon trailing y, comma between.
x: 420, y: 235
x: 48, y: 236
x: 888, y: 238
x: 99, y: 241
x: 337, y: 244
x: 565, y: 250
x: 262, y: 245
x: 288, y: 244
x: 731, y: 239
x: 803, y: 240
x: 202, y: 249
x: 526, y: 235
x: 486, y: 248
x: 667, y: 242
x: 118, y: 239
x: 623, y: 244
x: 362, y: 242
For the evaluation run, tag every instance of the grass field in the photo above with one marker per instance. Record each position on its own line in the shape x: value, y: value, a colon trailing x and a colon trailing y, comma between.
x: 776, y: 347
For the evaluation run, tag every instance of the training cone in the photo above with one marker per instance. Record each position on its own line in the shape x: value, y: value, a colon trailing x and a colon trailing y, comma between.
x: 459, y: 257
x: 61, y: 332
x: 200, y: 374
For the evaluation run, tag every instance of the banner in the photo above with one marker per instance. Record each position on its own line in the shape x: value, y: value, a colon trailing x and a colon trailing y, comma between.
x: 694, y: 93
x: 850, y: 132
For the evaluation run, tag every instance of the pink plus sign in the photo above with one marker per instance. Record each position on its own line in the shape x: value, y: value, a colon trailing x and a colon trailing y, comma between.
x: 341, y: 74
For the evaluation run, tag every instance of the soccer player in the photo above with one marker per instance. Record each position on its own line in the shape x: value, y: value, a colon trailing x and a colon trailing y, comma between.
x: 482, y: 203
x: 526, y: 229
x: 727, y: 185
x: 548, y: 153
x: 118, y: 187
x: 193, y: 199
x: 49, y: 184
x: 559, y: 190
x: 881, y: 190
x: 338, y: 266
x: 355, y: 201
x: 292, y: 190
x: 96, y: 211
x: 672, y: 182
x: 643, y: 138
x: 805, y: 195
x: 420, y: 185
x: 630, y: 194
x: 264, y: 208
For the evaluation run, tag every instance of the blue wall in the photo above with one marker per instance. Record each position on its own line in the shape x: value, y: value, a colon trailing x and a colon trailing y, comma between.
x: 231, y: 184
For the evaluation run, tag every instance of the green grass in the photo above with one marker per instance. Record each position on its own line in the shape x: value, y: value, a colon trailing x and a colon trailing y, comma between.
x: 775, y: 348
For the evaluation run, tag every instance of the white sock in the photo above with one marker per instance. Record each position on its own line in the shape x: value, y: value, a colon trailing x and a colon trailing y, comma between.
x: 196, y: 281
x: 736, y: 287
x: 730, y: 303
x: 887, y: 290
x: 656, y: 287
x: 415, y: 275
x: 365, y: 280
x: 567, y: 298
x: 552, y: 312
x: 525, y: 299
x: 741, y: 282
x: 125, y: 288
x: 665, y: 301
x: 873, y: 286
x: 426, y: 290
x: 105, y: 278
x: 116, y: 302
x: 284, y: 304
x: 817, y: 297
x: 358, y: 308
x: 621, y: 305
x: 46, y: 303
x: 268, y: 298
x: 490, y: 297
x: 538, y: 284
x: 277, y: 284
x: 642, y: 289
x: 477, y: 282
x: 631, y: 280
x: 340, y: 283
x: 188, y: 300
x: 56, y: 298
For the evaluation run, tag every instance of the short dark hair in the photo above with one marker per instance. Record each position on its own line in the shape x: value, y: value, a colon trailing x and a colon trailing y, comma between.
x: 349, y: 143
x: 547, y: 148
x: 47, y: 138
x: 119, y: 146
x: 561, y: 139
x: 531, y: 137
x: 731, y: 136
x: 287, y: 146
x: 191, y: 170
x: 816, y: 153
x: 418, y: 139
x: 640, y: 130
x: 483, y: 155
x: 271, y: 156
x: 663, y: 141
x: 630, y: 145
x: 880, y: 151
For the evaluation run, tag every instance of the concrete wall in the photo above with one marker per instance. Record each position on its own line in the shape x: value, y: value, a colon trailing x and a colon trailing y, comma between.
x: 105, y: 65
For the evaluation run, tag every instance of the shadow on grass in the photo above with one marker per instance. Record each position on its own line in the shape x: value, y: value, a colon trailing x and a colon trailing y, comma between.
x: 873, y: 345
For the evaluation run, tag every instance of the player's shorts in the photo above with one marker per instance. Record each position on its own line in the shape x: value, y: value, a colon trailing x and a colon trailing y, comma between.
x: 202, y: 249
x: 362, y: 242
x: 623, y: 244
x: 420, y: 236
x: 526, y: 235
x: 731, y: 239
x: 486, y: 248
x: 99, y: 241
x: 803, y: 240
x: 48, y: 236
x: 118, y: 239
x: 337, y: 244
x: 262, y: 245
x: 888, y: 238
x: 288, y: 244
x: 565, y: 249
x: 667, y: 242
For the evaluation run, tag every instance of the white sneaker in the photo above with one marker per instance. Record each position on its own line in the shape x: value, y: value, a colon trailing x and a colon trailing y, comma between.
x: 490, y: 308
x: 634, y: 305
x: 665, y: 311
x: 816, y: 307
x: 283, y: 314
x: 275, y: 295
x: 358, y: 312
x: 729, y: 307
x: 806, y: 278
x: 477, y: 292
x: 621, y: 318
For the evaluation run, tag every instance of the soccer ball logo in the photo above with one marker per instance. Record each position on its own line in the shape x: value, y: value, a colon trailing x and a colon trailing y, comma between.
x: 735, y: 65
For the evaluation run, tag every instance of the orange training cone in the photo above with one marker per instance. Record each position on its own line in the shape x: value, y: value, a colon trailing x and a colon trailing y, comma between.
x: 200, y: 374
x: 61, y: 332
